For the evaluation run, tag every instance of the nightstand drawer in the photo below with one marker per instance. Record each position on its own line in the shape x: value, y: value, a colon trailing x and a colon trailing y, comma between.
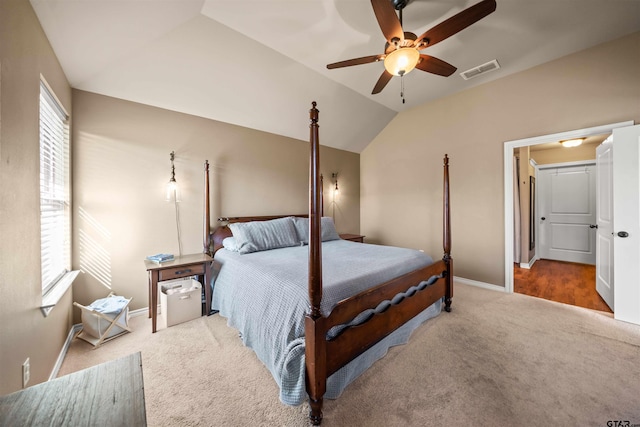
x: 182, y: 271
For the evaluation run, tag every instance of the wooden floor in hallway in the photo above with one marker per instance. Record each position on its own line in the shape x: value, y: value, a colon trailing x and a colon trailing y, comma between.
x: 559, y: 281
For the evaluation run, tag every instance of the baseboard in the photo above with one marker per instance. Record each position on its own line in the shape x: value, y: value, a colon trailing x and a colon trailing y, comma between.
x: 72, y: 333
x: 144, y: 311
x: 529, y: 264
x: 479, y: 284
x: 63, y: 353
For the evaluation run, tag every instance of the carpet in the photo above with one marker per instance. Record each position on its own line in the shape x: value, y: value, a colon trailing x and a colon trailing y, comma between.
x: 496, y: 360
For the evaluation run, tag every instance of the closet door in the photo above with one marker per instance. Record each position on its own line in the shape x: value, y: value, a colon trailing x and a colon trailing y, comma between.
x: 567, y: 213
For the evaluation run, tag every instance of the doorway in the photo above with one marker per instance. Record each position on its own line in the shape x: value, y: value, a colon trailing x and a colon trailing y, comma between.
x: 535, y: 143
x: 563, y: 206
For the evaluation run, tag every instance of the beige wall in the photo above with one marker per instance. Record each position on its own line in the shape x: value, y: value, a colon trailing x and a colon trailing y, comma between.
x: 24, y: 54
x: 401, y: 174
x: 121, y: 152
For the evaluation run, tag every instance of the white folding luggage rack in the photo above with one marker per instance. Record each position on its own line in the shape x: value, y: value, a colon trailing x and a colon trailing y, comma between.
x: 99, y: 327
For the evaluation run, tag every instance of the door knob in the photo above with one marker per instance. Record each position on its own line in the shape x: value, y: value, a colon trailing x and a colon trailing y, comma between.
x: 623, y: 234
x: 593, y: 226
x: 543, y: 218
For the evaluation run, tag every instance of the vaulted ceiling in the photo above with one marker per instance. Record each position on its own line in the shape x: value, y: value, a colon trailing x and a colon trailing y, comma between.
x: 260, y: 63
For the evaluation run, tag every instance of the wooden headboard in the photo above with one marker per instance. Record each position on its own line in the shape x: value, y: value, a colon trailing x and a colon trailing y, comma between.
x: 212, y: 241
x: 223, y: 231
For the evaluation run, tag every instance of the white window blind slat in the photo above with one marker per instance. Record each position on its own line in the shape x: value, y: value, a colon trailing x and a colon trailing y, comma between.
x: 54, y: 190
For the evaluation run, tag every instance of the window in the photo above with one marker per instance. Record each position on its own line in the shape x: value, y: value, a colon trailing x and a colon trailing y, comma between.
x: 55, y: 219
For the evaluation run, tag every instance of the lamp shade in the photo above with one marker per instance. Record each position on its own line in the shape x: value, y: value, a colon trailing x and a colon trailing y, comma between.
x: 172, y: 191
x: 401, y: 61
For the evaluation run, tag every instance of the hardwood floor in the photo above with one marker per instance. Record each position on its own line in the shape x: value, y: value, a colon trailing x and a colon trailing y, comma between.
x: 565, y: 282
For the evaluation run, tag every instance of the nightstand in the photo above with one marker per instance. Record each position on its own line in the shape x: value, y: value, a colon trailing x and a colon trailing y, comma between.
x: 353, y: 237
x: 182, y: 266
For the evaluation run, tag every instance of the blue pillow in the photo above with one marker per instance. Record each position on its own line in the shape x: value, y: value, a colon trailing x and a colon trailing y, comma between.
x: 257, y: 236
x: 326, y: 225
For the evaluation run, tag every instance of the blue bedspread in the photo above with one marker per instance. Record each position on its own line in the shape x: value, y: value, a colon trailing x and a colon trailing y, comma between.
x: 264, y: 295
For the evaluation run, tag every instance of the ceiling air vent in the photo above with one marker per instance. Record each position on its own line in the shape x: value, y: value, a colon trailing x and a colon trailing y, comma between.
x: 480, y: 69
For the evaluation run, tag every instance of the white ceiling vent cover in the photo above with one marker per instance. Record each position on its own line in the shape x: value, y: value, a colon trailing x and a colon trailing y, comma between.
x: 480, y: 69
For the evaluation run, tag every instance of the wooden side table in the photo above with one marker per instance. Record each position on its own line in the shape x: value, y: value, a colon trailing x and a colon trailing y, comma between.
x: 353, y: 237
x: 182, y: 266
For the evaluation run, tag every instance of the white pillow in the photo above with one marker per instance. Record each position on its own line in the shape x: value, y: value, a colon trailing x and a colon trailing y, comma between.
x: 230, y: 244
x: 326, y: 225
x: 257, y: 236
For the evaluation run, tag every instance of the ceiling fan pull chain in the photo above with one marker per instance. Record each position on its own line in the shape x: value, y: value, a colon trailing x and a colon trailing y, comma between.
x: 402, y: 87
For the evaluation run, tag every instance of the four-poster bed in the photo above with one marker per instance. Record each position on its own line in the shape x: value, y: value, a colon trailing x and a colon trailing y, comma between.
x: 317, y: 331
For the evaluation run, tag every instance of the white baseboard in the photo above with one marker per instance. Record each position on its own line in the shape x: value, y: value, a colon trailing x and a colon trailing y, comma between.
x: 56, y: 368
x: 479, y: 284
x: 72, y: 333
x: 144, y: 311
x: 529, y: 264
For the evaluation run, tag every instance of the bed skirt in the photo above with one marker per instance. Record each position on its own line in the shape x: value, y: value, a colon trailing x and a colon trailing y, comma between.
x: 337, y: 382
x: 291, y: 384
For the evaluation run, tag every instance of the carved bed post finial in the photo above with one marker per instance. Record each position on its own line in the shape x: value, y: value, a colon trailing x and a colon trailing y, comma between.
x: 446, y: 236
x: 206, y: 241
x: 313, y: 113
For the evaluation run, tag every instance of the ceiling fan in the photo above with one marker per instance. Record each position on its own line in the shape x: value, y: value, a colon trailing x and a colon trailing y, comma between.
x: 402, y: 49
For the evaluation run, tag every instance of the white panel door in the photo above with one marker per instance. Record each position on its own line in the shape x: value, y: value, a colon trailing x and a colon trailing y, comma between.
x: 626, y: 222
x: 567, y: 213
x: 604, y: 220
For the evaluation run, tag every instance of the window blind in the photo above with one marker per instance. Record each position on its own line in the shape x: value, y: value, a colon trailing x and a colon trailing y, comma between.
x: 54, y: 190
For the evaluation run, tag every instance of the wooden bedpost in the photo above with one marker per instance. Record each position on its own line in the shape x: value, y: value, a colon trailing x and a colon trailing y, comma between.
x: 315, y: 244
x: 321, y: 195
x: 206, y: 238
x: 446, y: 237
x: 315, y: 342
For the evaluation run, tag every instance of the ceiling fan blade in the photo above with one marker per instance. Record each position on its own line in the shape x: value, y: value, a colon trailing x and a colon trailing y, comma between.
x: 457, y: 23
x: 382, y: 82
x: 433, y: 65
x: 388, y: 20
x: 355, y: 61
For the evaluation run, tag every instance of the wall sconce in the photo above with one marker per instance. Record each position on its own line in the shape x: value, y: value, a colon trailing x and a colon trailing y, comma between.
x: 173, y: 193
x: 334, y: 177
x: 572, y: 142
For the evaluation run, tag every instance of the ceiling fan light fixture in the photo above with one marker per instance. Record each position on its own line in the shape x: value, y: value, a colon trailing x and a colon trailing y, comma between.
x: 572, y: 142
x: 402, y: 48
x: 401, y: 61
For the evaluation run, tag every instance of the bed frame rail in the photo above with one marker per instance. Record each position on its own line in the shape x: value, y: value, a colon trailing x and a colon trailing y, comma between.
x: 349, y: 308
x: 356, y: 340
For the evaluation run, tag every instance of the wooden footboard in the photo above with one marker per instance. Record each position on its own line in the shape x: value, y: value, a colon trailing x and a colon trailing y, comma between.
x: 355, y: 340
x: 325, y: 356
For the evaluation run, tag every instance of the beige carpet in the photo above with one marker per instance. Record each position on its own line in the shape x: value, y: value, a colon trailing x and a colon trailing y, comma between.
x: 496, y: 360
